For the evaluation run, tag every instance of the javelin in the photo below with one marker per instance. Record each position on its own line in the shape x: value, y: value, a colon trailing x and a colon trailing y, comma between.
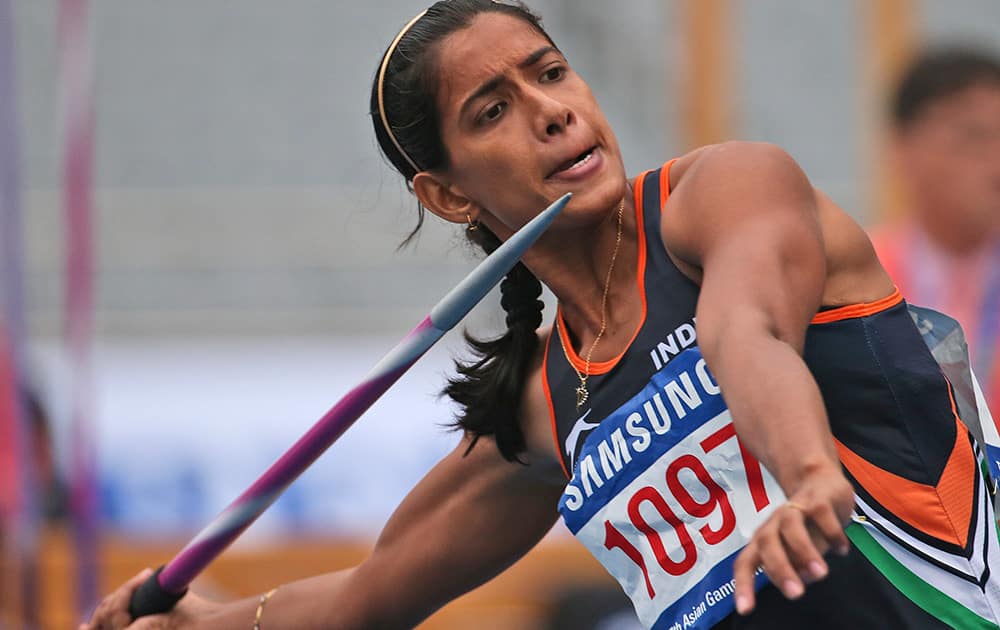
x: 164, y: 588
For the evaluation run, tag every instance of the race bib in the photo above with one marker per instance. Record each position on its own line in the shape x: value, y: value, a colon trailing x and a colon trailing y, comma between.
x: 664, y: 495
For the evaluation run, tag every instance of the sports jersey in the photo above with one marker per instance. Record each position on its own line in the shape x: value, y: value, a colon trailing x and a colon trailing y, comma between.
x: 665, y: 495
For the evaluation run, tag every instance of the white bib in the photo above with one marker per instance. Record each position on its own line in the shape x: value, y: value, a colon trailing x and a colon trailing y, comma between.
x: 664, y: 497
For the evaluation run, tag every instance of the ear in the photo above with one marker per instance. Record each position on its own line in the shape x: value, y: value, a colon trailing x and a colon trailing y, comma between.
x: 443, y: 199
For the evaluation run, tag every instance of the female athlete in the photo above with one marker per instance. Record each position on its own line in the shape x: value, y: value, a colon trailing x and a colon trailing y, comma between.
x: 835, y: 486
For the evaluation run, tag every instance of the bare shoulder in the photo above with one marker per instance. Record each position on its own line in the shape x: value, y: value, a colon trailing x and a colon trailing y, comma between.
x: 734, y: 163
x: 684, y: 162
x: 720, y: 194
x: 735, y: 158
x: 723, y: 188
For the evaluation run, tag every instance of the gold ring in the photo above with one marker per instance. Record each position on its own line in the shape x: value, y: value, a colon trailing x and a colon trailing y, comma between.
x: 796, y: 506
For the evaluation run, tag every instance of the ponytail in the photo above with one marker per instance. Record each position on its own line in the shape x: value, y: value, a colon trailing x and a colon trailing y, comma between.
x: 490, y: 387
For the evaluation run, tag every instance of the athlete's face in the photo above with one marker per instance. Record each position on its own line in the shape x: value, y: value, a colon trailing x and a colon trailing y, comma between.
x: 521, y: 128
x: 950, y: 157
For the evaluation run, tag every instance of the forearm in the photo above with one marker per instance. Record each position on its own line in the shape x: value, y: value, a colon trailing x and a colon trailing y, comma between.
x: 379, y: 593
x: 775, y: 402
x: 468, y: 519
x: 319, y: 602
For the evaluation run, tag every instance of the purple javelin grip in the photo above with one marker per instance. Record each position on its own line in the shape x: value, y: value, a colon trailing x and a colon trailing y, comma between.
x: 163, y: 589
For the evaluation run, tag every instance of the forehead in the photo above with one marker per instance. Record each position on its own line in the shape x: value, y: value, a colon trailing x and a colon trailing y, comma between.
x: 492, y: 44
x: 978, y: 99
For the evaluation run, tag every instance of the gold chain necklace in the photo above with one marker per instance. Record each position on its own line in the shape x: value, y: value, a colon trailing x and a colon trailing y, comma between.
x: 581, y: 392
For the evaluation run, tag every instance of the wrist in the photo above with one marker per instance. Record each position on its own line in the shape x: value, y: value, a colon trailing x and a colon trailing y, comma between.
x: 801, y: 471
x: 261, y: 604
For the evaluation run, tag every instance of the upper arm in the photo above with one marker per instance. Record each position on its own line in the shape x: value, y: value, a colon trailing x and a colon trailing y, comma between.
x: 744, y: 216
x: 469, y: 518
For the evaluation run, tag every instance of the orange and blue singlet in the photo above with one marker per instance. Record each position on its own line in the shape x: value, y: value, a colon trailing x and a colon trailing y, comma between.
x: 662, y: 492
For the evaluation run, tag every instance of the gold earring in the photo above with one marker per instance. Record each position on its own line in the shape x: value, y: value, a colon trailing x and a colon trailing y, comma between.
x: 473, y: 225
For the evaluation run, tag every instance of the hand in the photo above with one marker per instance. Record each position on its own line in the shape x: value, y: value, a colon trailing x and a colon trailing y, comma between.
x: 112, y: 613
x: 790, y: 544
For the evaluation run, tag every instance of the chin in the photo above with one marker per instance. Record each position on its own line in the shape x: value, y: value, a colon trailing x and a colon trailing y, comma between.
x: 610, y: 192
x: 597, y: 201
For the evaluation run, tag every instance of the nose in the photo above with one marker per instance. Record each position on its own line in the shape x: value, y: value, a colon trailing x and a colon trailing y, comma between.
x: 558, y: 125
x: 554, y: 117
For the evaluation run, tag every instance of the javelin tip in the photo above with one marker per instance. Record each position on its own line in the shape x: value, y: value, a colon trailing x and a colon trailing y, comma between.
x: 460, y: 300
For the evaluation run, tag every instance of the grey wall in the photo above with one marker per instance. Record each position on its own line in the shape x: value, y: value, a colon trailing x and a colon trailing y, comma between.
x: 239, y: 189
x: 798, y: 80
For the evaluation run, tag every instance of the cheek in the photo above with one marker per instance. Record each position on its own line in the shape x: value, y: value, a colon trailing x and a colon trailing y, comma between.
x: 587, y: 103
x: 966, y: 169
x: 499, y: 156
x: 961, y: 180
x: 495, y: 177
x: 919, y: 163
x: 472, y: 172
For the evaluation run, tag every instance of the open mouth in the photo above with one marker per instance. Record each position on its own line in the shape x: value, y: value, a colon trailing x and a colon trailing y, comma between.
x: 575, y: 163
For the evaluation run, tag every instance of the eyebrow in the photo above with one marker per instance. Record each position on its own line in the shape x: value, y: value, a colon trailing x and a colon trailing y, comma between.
x: 495, y: 82
x: 536, y: 56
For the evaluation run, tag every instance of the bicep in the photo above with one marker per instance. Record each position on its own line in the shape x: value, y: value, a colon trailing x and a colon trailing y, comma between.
x: 471, y: 517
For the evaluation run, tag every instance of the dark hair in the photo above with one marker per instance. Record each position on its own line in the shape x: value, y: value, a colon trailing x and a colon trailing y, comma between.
x: 490, y: 387
x: 938, y: 74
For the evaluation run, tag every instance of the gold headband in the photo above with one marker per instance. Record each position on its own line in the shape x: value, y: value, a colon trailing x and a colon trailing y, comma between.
x: 381, y: 80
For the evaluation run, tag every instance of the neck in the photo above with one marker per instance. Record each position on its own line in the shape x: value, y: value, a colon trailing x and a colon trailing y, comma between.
x: 574, y: 265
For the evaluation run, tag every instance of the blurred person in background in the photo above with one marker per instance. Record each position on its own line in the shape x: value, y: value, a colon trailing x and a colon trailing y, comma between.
x: 37, y: 466
x: 944, y: 252
x: 52, y: 493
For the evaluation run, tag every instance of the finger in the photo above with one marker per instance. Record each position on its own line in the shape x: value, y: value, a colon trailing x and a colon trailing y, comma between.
x: 133, y: 583
x: 137, y: 579
x: 744, y: 568
x: 112, y: 612
x: 825, y: 520
x: 100, y: 615
x: 120, y: 619
x: 123, y: 596
x: 777, y: 565
x: 802, y: 549
x: 150, y: 622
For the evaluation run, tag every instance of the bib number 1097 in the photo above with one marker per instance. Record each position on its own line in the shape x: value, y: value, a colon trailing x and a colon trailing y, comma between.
x: 717, y: 502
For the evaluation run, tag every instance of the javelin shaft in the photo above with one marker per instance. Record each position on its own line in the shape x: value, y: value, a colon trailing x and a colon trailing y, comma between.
x: 168, y: 585
x: 229, y: 524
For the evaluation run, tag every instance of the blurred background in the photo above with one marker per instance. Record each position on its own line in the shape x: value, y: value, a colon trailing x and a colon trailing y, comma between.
x: 200, y: 258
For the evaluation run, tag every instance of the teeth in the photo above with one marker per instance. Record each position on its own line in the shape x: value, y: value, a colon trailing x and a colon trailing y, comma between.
x: 579, y: 164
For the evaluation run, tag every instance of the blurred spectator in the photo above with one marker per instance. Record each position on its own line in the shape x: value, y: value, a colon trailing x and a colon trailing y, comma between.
x: 944, y: 252
x: 52, y: 495
x: 19, y: 585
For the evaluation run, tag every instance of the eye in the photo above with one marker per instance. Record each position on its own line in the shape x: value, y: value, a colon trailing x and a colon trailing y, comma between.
x: 492, y: 113
x: 553, y: 74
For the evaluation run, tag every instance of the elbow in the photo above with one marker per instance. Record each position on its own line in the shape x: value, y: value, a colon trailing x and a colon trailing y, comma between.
x: 718, y: 333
